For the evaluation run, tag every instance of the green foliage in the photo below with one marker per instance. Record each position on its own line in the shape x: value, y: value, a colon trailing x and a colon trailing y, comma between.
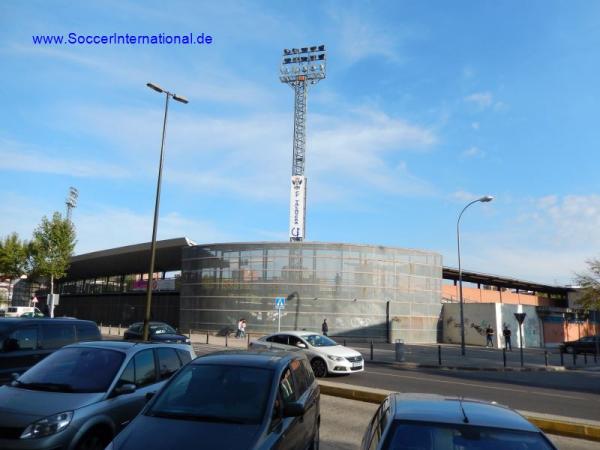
x: 52, y: 247
x: 13, y: 256
x: 590, y: 286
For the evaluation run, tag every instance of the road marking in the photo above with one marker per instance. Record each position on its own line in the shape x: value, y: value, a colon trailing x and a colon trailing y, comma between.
x: 574, y: 397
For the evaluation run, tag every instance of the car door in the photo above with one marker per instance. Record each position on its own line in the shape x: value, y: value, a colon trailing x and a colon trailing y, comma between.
x: 140, y: 371
x: 307, y: 395
x: 19, y: 351
x: 279, y: 341
x: 292, y: 427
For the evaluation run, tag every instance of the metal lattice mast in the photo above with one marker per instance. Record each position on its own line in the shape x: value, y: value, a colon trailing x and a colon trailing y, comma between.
x: 300, y: 68
x: 71, y: 201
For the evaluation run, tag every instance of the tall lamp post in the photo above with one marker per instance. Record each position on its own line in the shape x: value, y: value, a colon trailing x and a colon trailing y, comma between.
x: 484, y: 199
x: 178, y: 98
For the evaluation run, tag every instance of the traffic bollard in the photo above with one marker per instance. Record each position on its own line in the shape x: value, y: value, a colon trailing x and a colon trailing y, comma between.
x: 574, y: 358
x: 344, y: 342
x: 190, y: 334
x: 226, y: 335
x: 371, y: 349
x: 119, y: 330
x: 504, y: 356
x: 399, y: 347
x: 562, y: 358
x: 207, y: 337
x: 546, y: 357
x: 439, y: 355
x: 585, y: 357
x: 248, y: 336
x: 109, y: 329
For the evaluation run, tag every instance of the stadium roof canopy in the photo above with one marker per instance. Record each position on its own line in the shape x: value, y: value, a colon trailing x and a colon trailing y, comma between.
x: 131, y: 259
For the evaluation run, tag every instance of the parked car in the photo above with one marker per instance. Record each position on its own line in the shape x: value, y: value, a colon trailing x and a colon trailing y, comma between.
x: 585, y: 344
x: 82, y: 395
x: 32, y: 314
x: 325, y: 355
x: 18, y: 311
x: 232, y: 400
x: 158, y: 331
x: 428, y: 421
x: 24, y: 342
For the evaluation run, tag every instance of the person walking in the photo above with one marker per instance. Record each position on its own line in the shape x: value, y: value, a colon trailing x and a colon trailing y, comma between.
x: 489, y: 334
x: 243, y: 328
x: 507, y: 334
x: 238, y: 332
x: 324, y: 327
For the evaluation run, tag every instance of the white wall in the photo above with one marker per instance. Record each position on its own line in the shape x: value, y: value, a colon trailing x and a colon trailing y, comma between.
x: 477, y: 317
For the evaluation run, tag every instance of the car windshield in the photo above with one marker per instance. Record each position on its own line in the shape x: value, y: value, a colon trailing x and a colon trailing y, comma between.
x: 216, y: 393
x: 433, y: 436
x: 318, y: 340
x: 162, y: 329
x: 73, y: 370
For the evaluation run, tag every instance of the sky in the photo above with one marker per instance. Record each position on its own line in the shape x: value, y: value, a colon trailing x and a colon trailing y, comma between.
x: 426, y: 106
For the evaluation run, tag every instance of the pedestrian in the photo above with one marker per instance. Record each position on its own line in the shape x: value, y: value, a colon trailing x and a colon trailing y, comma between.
x: 489, y: 334
x: 238, y: 332
x: 507, y: 334
x: 324, y: 327
x: 243, y: 328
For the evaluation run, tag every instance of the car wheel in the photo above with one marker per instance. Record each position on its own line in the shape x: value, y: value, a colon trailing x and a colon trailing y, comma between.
x: 570, y: 349
x: 93, y: 441
x: 319, y: 367
x: 315, y: 443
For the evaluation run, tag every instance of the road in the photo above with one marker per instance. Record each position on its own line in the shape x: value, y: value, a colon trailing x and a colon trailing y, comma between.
x: 343, y: 423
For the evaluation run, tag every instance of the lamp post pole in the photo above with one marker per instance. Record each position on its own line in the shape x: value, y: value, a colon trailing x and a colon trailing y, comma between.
x: 168, y: 95
x: 484, y: 199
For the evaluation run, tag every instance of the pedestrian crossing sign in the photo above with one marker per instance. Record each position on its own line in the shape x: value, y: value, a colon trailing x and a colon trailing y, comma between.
x: 279, y: 302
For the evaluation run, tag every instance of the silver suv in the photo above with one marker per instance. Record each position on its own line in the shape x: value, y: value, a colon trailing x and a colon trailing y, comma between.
x: 82, y: 395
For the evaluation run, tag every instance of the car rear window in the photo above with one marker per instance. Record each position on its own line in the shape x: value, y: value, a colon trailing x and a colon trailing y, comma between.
x: 88, y: 332
x: 216, y: 393
x: 434, y: 436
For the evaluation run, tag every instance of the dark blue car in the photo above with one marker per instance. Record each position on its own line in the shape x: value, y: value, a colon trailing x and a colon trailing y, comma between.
x: 158, y: 331
x: 427, y: 421
x: 232, y: 400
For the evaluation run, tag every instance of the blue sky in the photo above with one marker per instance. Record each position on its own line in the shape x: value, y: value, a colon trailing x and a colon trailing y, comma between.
x: 426, y: 106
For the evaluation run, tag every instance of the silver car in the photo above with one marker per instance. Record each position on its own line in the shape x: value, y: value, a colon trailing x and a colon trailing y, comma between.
x: 82, y: 395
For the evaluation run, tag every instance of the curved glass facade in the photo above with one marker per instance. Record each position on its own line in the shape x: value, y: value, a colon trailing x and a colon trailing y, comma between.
x: 363, y: 291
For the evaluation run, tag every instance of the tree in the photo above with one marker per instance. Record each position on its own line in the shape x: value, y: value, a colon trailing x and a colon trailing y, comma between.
x: 52, y: 247
x: 13, y: 259
x: 590, y: 285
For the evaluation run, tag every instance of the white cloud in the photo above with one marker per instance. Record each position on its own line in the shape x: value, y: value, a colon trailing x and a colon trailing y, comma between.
x: 21, y: 157
x: 481, y: 99
x: 473, y: 152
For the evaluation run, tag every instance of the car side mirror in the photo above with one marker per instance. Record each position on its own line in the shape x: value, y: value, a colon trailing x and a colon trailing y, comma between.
x: 149, y: 395
x: 127, y: 388
x: 301, y: 345
x: 293, y: 409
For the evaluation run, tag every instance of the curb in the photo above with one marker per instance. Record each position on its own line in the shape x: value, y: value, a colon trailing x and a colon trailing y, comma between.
x: 579, y: 430
x: 408, y: 365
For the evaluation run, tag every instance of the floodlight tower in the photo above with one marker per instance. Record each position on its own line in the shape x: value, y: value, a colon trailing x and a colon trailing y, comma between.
x: 300, y: 67
x: 71, y: 201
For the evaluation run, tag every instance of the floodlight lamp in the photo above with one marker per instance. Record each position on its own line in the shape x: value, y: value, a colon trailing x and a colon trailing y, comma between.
x: 304, y: 49
x: 321, y: 56
x: 486, y: 198
x: 286, y: 51
x: 313, y: 48
x: 180, y: 99
x: 294, y: 50
x: 321, y: 48
x: 322, y: 67
x: 304, y: 69
x: 296, y: 70
x: 155, y: 87
x: 287, y: 60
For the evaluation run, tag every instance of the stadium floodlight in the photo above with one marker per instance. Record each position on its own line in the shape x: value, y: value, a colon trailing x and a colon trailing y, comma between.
x: 302, y: 72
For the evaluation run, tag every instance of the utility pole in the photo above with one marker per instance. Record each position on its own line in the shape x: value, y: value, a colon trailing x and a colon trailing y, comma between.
x: 300, y: 67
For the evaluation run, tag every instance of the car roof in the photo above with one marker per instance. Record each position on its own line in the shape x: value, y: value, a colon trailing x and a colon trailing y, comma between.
x: 19, y: 320
x: 296, y: 333
x: 441, y: 409
x: 126, y: 346
x: 149, y: 323
x: 265, y: 358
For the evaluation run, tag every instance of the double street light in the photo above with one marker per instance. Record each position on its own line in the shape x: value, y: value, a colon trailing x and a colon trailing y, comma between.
x: 484, y: 199
x: 168, y: 95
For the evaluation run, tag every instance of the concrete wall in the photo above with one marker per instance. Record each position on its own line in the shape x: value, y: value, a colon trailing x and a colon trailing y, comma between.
x: 474, y: 295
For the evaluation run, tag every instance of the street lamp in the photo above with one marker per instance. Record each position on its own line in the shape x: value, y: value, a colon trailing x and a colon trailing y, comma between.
x: 178, y: 98
x: 484, y: 199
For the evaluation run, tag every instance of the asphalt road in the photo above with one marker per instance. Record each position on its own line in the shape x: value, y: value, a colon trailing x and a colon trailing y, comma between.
x: 523, y: 391
x: 343, y: 423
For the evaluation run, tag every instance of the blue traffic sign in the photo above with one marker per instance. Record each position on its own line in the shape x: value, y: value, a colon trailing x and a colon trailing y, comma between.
x: 279, y: 302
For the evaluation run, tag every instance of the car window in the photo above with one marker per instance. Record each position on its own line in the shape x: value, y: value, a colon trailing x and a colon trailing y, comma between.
x: 309, y: 373
x: 56, y: 336
x: 21, y: 339
x: 318, y: 340
x: 294, y: 340
x: 74, y: 369
x: 286, y: 387
x: 135, y: 328
x: 128, y: 375
x: 279, y: 339
x: 461, y: 437
x: 162, y: 329
x: 145, y: 370
x: 299, y: 376
x: 184, y: 356
x: 215, y: 392
x: 168, y: 362
x: 375, y: 429
x: 87, y: 332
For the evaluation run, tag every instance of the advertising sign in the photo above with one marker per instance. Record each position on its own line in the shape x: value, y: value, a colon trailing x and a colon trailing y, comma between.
x: 297, y: 207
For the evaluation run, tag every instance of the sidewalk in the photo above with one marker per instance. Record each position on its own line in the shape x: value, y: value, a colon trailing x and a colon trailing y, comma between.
x: 423, y: 355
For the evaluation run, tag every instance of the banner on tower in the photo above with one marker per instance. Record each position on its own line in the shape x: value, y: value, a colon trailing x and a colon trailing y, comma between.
x: 297, y: 207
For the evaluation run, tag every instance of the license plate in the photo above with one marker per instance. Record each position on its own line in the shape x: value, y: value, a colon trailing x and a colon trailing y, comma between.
x: 356, y: 364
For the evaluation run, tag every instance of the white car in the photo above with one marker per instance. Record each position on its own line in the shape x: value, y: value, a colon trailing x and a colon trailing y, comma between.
x: 325, y: 355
